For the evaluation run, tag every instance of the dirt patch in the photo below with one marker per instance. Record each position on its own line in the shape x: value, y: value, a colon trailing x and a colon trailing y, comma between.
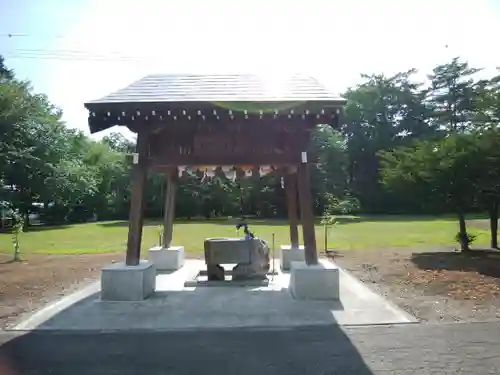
x: 39, y: 279
x: 434, y: 285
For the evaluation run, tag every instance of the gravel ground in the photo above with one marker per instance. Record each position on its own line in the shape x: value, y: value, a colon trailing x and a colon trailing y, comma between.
x: 39, y: 279
x: 435, y: 285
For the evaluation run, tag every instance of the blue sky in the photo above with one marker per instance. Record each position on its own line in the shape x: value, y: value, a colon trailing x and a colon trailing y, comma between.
x: 332, y: 40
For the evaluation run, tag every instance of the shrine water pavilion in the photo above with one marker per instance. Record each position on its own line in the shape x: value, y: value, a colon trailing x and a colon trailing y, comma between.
x: 236, y: 125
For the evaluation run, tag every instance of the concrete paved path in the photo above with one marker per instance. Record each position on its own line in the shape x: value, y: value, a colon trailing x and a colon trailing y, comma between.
x: 407, y: 349
x: 174, y: 306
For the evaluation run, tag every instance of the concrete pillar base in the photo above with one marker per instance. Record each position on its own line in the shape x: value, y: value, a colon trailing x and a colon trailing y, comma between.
x: 314, y: 282
x: 289, y: 254
x: 164, y: 259
x: 120, y: 282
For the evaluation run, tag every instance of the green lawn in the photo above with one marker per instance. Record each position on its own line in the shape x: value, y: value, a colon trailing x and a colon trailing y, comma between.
x: 369, y: 233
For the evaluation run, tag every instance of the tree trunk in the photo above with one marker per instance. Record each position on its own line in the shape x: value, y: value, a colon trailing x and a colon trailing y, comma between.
x: 464, y: 243
x: 17, y: 252
x: 27, y: 218
x: 493, y: 213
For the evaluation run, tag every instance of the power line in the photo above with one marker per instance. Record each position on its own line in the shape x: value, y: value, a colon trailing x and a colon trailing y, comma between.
x: 68, y: 58
x: 24, y: 35
x: 9, y: 35
x: 41, y: 36
x: 68, y: 54
x: 58, y: 51
x: 73, y: 55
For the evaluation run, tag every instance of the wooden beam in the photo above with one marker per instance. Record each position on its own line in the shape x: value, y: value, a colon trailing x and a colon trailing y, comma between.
x: 291, y: 204
x: 176, y: 160
x: 168, y: 224
x: 307, y: 214
x: 139, y: 175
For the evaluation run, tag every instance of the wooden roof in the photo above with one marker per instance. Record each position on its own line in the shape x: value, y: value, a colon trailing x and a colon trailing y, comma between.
x: 154, y: 94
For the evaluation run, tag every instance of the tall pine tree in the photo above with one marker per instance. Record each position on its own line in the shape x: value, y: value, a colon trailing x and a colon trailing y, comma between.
x: 451, y: 94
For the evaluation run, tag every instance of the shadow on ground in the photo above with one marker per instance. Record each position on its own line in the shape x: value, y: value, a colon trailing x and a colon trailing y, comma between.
x: 315, y: 350
x: 215, y: 221
x: 36, y: 228
x: 8, y: 260
x: 233, y: 221
x: 414, y: 218
x: 485, y: 262
x: 477, y: 221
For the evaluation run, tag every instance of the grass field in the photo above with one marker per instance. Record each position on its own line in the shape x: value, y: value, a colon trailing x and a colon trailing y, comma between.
x: 364, y: 234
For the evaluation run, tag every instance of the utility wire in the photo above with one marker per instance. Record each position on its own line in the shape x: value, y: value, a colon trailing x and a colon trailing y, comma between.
x: 59, y: 51
x: 31, y: 36
x: 9, y: 35
x: 68, y: 58
x: 75, y: 55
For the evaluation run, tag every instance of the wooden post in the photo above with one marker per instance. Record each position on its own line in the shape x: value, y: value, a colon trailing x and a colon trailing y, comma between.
x: 168, y: 224
x: 291, y: 204
x: 139, y: 175
x: 307, y: 214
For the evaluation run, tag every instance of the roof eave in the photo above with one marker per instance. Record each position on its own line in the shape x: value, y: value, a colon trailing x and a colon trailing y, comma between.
x: 204, y: 103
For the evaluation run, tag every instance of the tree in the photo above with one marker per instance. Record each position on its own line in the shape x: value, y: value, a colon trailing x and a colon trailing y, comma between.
x: 38, y: 158
x: 486, y: 120
x: 18, y: 229
x: 328, y: 152
x: 381, y: 113
x: 452, y: 95
x: 488, y: 178
x: 119, y: 143
x: 23, y: 157
x: 444, y: 169
x: 5, y: 73
x: 111, y: 170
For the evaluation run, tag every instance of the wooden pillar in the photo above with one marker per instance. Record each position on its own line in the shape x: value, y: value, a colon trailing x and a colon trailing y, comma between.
x: 168, y: 224
x: 291, y: 204
x: 139, y: 175
x: 307, y: 214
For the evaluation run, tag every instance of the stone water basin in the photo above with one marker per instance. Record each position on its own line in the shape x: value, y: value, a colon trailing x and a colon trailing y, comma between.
x: 251, y: 257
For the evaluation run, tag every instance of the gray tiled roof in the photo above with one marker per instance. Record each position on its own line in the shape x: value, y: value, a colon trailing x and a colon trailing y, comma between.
x: 218, y: 87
